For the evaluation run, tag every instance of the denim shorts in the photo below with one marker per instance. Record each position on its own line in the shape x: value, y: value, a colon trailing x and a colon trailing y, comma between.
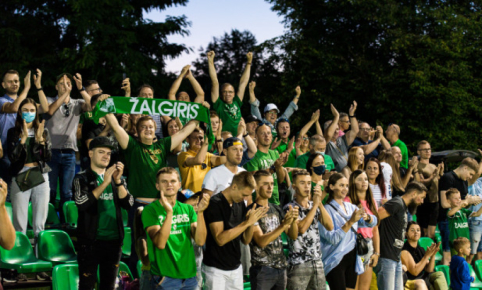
x: 475, y: 227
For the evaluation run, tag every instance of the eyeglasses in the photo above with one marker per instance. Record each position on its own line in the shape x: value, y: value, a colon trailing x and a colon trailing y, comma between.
x: 271, y: 113
x: 426, y: 150
x: 98, y: 89
x: 347, y: 121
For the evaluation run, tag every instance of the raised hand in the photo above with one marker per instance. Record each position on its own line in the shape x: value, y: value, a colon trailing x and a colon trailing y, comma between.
x: 179, y: 123
x: 109, y: 172
x: 103, y: 97
x: 40, y: 133
x: 315, y: 116
x: 126, y: 85
x: 380, y: 131
x: 352, y: 109
x: 356, y: 216
x: 210, y: 56
x: 252, y: 85
x: 334, y: 111
x: 241, y: 127
x: 67, y: 85
x: 317, y: 195
x: 118, y: 172
x: 298, y: 91
x: 255, y: 214
x: 78, y: 81
x: 414, y: 162
x: 165, y: 204
x: 185, y: 70
x: 276, y: 143
x: 37, y: 79
x: 124, y: 121
x: 203, y: 203
x: 26, y: 80
x: 283, y: 158
x: 249, y: 56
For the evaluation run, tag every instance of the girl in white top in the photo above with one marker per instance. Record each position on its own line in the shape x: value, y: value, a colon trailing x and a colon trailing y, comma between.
x: 377, y: 181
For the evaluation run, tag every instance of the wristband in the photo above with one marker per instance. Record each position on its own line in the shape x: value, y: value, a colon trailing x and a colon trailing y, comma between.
x: 40, y: 89
x: 352, y: 116
x: 375, y: 253
x: 244, y: 136
x: 249, y: 63
x: 219, y: 140
x: 82, y: 89
x: 123, y: 182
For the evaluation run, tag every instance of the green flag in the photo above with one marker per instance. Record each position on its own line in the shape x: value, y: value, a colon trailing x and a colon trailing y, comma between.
x: 142, y: 106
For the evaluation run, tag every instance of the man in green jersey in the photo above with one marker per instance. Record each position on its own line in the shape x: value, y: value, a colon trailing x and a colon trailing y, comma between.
x: 99, y: 195
x: 268, y: 159
x: 317, y: 145
x: 170, y: 226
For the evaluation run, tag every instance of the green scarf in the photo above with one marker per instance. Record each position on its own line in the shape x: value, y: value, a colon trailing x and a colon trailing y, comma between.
x: 142, y: 106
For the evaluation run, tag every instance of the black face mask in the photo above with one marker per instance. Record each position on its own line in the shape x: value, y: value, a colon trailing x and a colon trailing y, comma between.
x: 319, y: 170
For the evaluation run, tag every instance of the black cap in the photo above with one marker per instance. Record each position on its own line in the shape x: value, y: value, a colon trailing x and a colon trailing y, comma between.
x: 251, y: 118
x: 231, y: 142
x: 100, y: 141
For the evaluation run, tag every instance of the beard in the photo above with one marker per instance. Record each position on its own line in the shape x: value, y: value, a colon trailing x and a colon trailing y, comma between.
x: 412, y: 207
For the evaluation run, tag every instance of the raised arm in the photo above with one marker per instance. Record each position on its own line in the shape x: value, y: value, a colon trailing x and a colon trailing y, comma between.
x: 243, y: 82
x: 13, y: 107
x: 330, y: 131
x: 126, y: 87
x: 314, y: 118
x: 367, y: 149
x: 78, y: 82
x: 214, y: 77
x: 278, y: 165
x: 478, y: 173
x: 298, y: 94
x: 351, y: 135
x: 197, y: 88
x: 253, y: 102
x: 199, y: 227
x: 119, y: 133
x: 319, y: 131
x: 43, y: 107
x: 171, y: 95
x: 7, y: 232
x: 66, y: 88
x: 199, y: 158
x: 180, y: 136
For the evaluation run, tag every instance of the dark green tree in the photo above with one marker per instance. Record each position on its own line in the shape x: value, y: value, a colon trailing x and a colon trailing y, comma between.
x: 415, y: 63
x: 100, y: 39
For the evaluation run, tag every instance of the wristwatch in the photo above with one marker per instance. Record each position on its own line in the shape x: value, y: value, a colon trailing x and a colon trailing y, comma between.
x: 122, y: 183
x: 82, y: 89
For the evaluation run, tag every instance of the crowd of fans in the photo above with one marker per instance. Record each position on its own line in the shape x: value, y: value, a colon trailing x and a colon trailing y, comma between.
x: 210, y: 215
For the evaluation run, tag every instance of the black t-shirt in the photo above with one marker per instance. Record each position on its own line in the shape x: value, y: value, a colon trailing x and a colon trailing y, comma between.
x: 227, y: 257
x: 392, y: 229
x: 447, y: 181
x: 417, y: 255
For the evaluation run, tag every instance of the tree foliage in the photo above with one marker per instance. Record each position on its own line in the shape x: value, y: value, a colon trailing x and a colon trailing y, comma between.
x: 100, y: 39
x: 415, y: 63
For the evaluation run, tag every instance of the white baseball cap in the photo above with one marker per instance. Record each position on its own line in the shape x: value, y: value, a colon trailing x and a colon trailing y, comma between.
x: 270, y: 107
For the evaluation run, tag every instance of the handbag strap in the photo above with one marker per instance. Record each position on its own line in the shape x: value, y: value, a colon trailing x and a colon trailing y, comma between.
x: 342, y: 217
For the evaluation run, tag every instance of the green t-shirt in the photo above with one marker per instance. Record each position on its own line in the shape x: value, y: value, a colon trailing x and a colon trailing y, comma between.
x: 404, y: 150
x: 230, y: 114
x: 291, y: 158
x: 458, y: 225
x: 262, y: 161
x: 303, y: 159
x: 144, y: 161
x: 107, y: 229
x: 177, y: 259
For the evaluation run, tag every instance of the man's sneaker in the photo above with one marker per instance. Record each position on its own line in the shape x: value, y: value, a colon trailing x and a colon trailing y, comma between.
x: 42, y: 276
x: 22, y: 277
x: 9, y: 280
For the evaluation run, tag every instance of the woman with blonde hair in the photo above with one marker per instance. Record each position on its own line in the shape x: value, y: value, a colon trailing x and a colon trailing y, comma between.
x: 356, y: 160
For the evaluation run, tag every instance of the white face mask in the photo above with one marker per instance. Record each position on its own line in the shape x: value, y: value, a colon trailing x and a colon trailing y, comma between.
x: 322, y: 153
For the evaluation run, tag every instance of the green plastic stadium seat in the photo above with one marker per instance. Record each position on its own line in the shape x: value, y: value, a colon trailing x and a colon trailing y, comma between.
x: 139, y: 268
x: 126, y: 247
x: 71, y: 213
x: 22, y: 258
x: 247, y: 286
x: 446, y: 270
x: 55, y: 246
x: 425, y: 242
x: 478, y: 268
x: 65, y: 277
x: 477, y: 284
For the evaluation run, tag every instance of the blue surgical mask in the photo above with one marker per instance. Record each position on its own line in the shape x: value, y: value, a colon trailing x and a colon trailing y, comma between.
x: 322, y: 153
x: 319, y: 170
x: 28, y: 116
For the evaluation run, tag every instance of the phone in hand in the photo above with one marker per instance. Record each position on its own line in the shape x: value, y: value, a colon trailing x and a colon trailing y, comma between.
x: 124, y: 76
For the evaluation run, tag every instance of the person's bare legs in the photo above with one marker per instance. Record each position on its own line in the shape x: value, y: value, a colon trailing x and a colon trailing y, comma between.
x: 365, y: 279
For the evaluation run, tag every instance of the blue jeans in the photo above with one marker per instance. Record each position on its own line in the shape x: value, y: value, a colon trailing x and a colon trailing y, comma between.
x: 262, y: 277
x: 444, y: 232
x: 389, y: 274
x: 161, y: 283
x: 63, y: 170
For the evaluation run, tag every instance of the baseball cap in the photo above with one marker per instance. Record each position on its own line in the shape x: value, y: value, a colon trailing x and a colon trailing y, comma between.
x: 231, y: 142
x: 270, y: 107
x: 251, y: 118
x: 100, y: 141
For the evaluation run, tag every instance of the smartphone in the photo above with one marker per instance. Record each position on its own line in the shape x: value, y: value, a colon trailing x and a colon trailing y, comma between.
x: 124, y: 76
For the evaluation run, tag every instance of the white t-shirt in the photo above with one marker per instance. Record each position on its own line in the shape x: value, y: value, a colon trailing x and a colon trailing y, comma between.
x: 219, y: 178
x: 387, y: 176
x: 377, y: 194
